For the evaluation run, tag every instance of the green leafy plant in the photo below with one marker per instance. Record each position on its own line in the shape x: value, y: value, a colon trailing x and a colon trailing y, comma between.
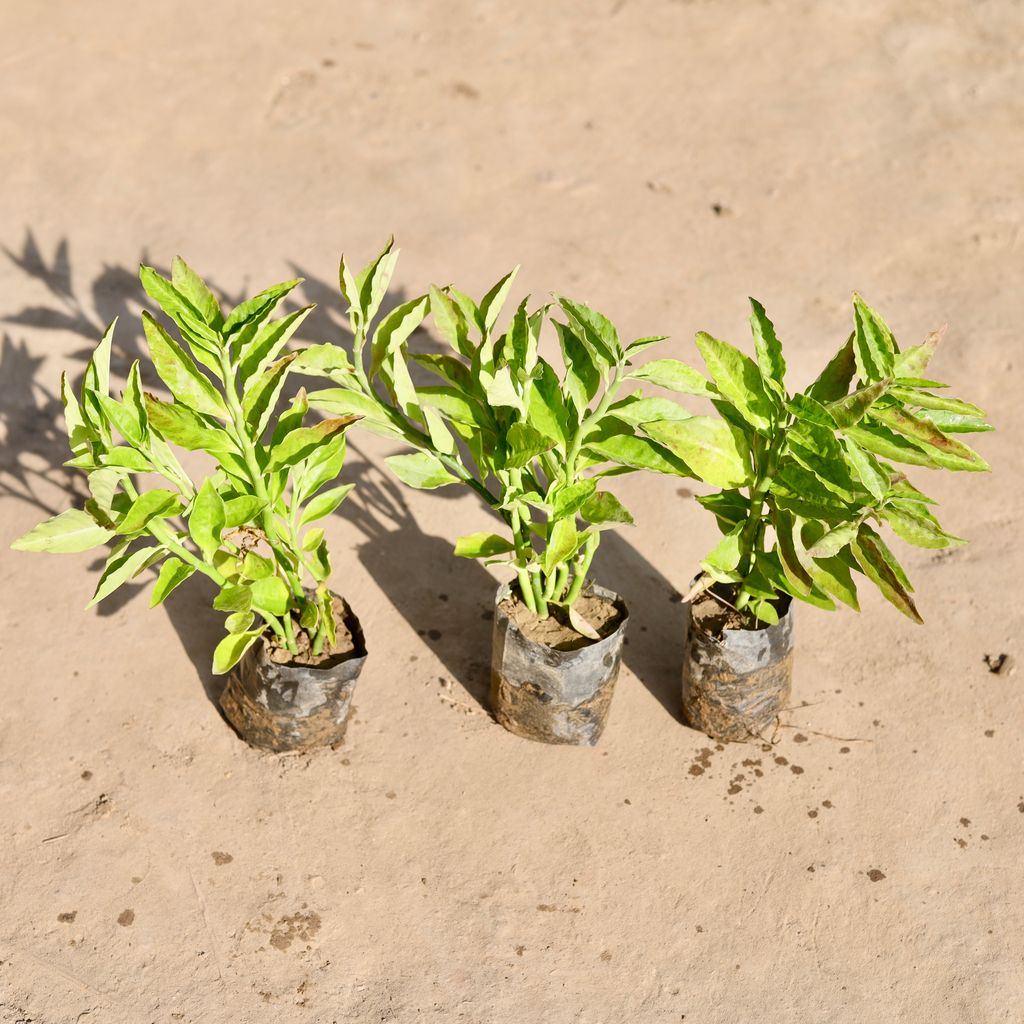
x: 249, y: 524
x: 533, y: 443
x: 806, y: 477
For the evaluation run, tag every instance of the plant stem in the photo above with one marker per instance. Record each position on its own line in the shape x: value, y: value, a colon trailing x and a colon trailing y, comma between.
x: 752, y: 535
x: 583, y: 567
x: 584, y: 428
x: 159, y: 530
x: 289, y: 633
x: 522, y: 558
x: 416, y: 437
x: 248, y: 449
x: 538, y: 595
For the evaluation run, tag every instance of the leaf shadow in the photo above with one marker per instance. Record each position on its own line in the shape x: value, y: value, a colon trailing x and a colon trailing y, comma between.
x: 448, y: 601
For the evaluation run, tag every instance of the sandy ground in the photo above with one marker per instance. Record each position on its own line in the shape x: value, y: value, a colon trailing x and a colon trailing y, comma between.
x: 662, y: 159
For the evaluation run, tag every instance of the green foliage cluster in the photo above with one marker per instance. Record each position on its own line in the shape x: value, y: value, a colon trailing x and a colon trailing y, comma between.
x: 534, y: 443
x: 805, y: 477
x: 248, y: 525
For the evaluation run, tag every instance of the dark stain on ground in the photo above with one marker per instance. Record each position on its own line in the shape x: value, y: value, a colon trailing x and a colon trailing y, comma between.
x: 990, y: 733
x: 812, y: 814
x: 844, y: 750
x: 606, y: 955
x: 796, y: 769
x: 220, y: 858
x: 520, y: 950
x: 550, y: 908
x: 827, y: 803
x: 965, y: 822
x: 781, y: 760
x: 702, y: 762
x: 391, y: 794
x: 126, y: 918
x: 67, y: 917
x: 759, y: 809
x: 434, y: 634
x: 799, y: 738
x: 875, y: 875
x: 465, y: 90
x: 294, y: 926
x: 962, y: 843
x: 87, y: 775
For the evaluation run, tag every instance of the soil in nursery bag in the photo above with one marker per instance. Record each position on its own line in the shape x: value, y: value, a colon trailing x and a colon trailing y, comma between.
x: 555, y: 631
x: 736, y: 679
x: 548, y: 682
x: 281, y: 701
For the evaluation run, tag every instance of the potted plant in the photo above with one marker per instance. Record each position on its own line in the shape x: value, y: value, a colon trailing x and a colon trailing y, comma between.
x: 804, y: 480
x: 536, y: 446
x: 294, y: 649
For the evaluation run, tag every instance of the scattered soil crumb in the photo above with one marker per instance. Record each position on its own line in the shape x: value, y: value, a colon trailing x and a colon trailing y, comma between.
x: 875, y: 875
x: 759, y: 809
x: 67, y: 917
x: 965, y: 822
x: 126, y: 918
x: 520, y: 950
x: 220, y: 858
x: 606, y: 956
x: 827, y: 803
x: 962, y: 843
x: 844, y: 750
x: 812, y: 814
x: 998, y: 663
x: 990, y: 733
x: 782, y: 760
x: 87, y: 775
x: 796, y: 769
x: 391, y: 794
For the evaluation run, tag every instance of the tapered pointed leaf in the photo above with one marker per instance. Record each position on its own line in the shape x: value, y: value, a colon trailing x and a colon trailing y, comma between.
x: 738, y: 379
x: 206, y: 519
x: 715, y: 451
x: 173, y: 572
x: 873, y: 345
x: 69, y: 532
x: 176, y: 369
x: 421, y: 470
x: 884, y: 571
x: 769, y: 351
x: 229, y: 651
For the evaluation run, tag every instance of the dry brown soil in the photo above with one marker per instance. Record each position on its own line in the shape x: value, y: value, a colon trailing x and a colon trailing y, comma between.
x: 665, y: 159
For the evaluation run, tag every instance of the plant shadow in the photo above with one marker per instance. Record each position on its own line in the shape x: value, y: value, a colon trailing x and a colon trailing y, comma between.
x: 448, y: 601
x: 656, y: 639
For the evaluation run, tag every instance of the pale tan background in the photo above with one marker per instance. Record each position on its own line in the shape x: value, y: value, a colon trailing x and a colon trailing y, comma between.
x: 438, y: 868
